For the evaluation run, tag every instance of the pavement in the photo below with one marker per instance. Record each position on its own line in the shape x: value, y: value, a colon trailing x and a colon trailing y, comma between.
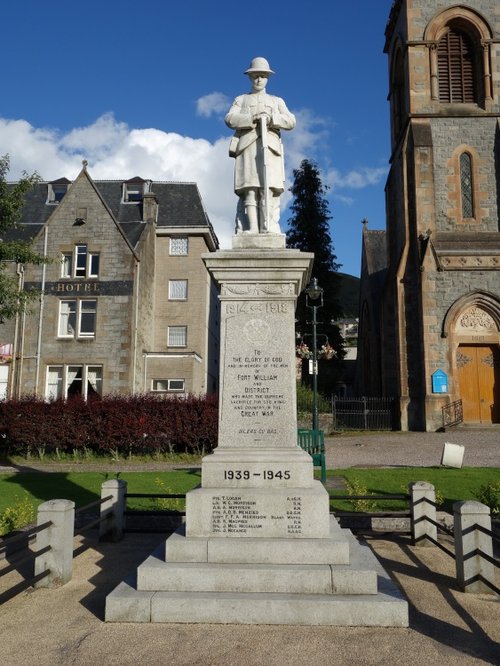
x: 52, y: 627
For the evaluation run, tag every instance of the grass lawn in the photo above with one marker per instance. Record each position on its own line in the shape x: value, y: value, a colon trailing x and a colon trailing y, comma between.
x: 452, y: 485
x: 84, y: 487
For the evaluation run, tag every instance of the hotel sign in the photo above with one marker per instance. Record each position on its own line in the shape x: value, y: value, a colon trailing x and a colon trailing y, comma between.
x: 85, y: 287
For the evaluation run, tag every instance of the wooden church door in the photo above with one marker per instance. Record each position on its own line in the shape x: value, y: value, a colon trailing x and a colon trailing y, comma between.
x: 479, y: 377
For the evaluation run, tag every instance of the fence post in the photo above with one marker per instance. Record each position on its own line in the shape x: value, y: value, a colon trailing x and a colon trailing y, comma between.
x: 113, y: 510
x: 423, y: 506
x: 468, y: 540
x: 59, y: 536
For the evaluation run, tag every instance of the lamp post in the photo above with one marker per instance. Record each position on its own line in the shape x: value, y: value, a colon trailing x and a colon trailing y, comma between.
x: 314, y: 300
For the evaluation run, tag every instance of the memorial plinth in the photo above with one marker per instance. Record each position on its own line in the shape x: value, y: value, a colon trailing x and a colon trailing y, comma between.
x: 259, y: 544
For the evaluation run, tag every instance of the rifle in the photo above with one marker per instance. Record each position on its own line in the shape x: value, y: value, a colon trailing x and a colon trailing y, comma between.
x: 263, y: 137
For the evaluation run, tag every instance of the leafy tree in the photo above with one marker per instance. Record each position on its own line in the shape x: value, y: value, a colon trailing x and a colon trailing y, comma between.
x: 12, y: 196
x: 309, y: 231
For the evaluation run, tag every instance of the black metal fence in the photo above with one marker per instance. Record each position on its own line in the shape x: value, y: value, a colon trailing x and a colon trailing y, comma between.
x: 452, y: 414
x: 364, y: 413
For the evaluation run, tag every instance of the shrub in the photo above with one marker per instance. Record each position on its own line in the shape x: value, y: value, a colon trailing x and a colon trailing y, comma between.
x: 20, y: 514
x: 490, y: 495
x: 355, y: 487
x: 305, y: 397
x: 125, y: 425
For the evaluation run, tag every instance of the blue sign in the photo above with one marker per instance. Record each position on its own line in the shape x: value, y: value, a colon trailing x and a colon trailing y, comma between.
x: 440, y: 382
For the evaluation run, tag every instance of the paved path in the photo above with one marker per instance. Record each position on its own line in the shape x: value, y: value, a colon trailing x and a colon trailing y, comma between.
x: 413, y: 449
x: 65, y: 626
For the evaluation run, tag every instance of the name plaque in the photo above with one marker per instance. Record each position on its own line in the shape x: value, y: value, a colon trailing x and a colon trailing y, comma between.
x: 236, y: 514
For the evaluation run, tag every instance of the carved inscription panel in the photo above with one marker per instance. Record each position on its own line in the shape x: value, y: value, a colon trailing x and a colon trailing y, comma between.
x: 257, y: 384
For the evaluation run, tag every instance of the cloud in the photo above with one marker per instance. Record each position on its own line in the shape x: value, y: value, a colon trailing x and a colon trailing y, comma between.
x: 115, y: 151
x: 355, y: 179
x: 215, y: 103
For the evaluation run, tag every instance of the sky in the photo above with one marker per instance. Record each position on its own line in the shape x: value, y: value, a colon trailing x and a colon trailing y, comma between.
x: 142, y: 90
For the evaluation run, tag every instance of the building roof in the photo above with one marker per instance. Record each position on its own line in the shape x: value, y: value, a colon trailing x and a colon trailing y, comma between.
x: 179, y: 205
x: 374, y: 245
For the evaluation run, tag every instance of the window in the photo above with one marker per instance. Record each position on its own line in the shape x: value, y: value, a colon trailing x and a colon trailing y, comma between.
x: 164, y: 385
x: 457, y: 68
x: 179, y: 245
x: 133, y: 190
x: 80, y: 263
x: 67, y: 380
x: 77, y: 318
x: 177, y: 290
x: 397, y: 95
x: 177, y: 336
x: 466, y: 185
x: 56, y: 190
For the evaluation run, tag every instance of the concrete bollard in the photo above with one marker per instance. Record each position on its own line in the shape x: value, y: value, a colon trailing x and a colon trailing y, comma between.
x: 59, y: 536
x: 113, y: 510
x: 423, y: 506
x: 467, y: 540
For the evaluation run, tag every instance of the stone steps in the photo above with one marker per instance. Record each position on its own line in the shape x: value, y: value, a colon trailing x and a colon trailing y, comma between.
x: 385, y: 609
x: 155, y: 574
x: 359, y: 593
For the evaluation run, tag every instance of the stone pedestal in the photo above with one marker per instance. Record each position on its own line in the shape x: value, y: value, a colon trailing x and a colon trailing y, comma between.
x: 259, y: 544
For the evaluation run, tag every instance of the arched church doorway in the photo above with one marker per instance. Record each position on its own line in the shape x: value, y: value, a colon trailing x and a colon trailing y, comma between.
x: 474, y: 327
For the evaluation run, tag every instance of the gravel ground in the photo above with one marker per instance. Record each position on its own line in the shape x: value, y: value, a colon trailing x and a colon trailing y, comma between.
x: 413, y: 449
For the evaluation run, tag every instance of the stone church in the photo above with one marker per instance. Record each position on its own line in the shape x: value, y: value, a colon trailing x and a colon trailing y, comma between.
x: 430, y: 283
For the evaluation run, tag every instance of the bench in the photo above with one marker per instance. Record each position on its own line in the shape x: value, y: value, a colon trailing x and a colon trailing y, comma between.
x: 313, y: 441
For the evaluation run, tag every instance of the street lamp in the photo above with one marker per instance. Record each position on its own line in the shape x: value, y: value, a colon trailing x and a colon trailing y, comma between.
x: 314, y: 300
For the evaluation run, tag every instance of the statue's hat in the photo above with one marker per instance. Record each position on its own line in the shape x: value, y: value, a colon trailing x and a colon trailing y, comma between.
x: 259, y: 65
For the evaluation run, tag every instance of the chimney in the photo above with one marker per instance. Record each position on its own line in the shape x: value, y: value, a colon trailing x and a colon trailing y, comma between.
x: 149, y: 207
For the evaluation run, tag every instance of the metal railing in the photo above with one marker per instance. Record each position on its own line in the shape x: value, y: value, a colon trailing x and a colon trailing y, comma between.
x: 53, y: 558
x: 365, y: 413
x: 50, y: 564
x: 452, y: 413
x: 17, y: 558
x: 472, y: 536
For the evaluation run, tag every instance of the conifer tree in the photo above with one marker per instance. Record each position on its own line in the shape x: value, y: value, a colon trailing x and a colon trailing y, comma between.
x: 309, y: 231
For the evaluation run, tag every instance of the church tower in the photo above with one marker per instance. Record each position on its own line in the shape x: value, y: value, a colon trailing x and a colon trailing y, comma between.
x: 438, y: 312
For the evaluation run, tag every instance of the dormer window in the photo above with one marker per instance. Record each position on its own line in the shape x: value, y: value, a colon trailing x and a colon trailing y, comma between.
x: 56, y: 190
x: 134, y: 190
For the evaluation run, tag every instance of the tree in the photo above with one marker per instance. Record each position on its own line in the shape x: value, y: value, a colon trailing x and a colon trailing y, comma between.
x: 13, y: 301
x: 309, y: 231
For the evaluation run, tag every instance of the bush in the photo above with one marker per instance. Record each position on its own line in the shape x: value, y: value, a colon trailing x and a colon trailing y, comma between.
x: 355, y: 487
x: 305, y: 397
x: 490, y: 495
x: 20, y: 514
x: 122, y: 425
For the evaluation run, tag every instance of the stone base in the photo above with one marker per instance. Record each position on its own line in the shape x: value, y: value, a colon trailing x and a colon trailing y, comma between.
x: 248, y: 241
x: 298, y: 513
x: 261, y: 581
x: 236, y: 468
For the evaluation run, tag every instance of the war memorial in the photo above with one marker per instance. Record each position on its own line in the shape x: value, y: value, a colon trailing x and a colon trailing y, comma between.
x: 259, y: 545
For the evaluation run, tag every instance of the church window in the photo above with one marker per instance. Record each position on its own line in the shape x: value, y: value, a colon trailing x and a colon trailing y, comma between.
x: 466, y: 185
x: 457, y: 67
